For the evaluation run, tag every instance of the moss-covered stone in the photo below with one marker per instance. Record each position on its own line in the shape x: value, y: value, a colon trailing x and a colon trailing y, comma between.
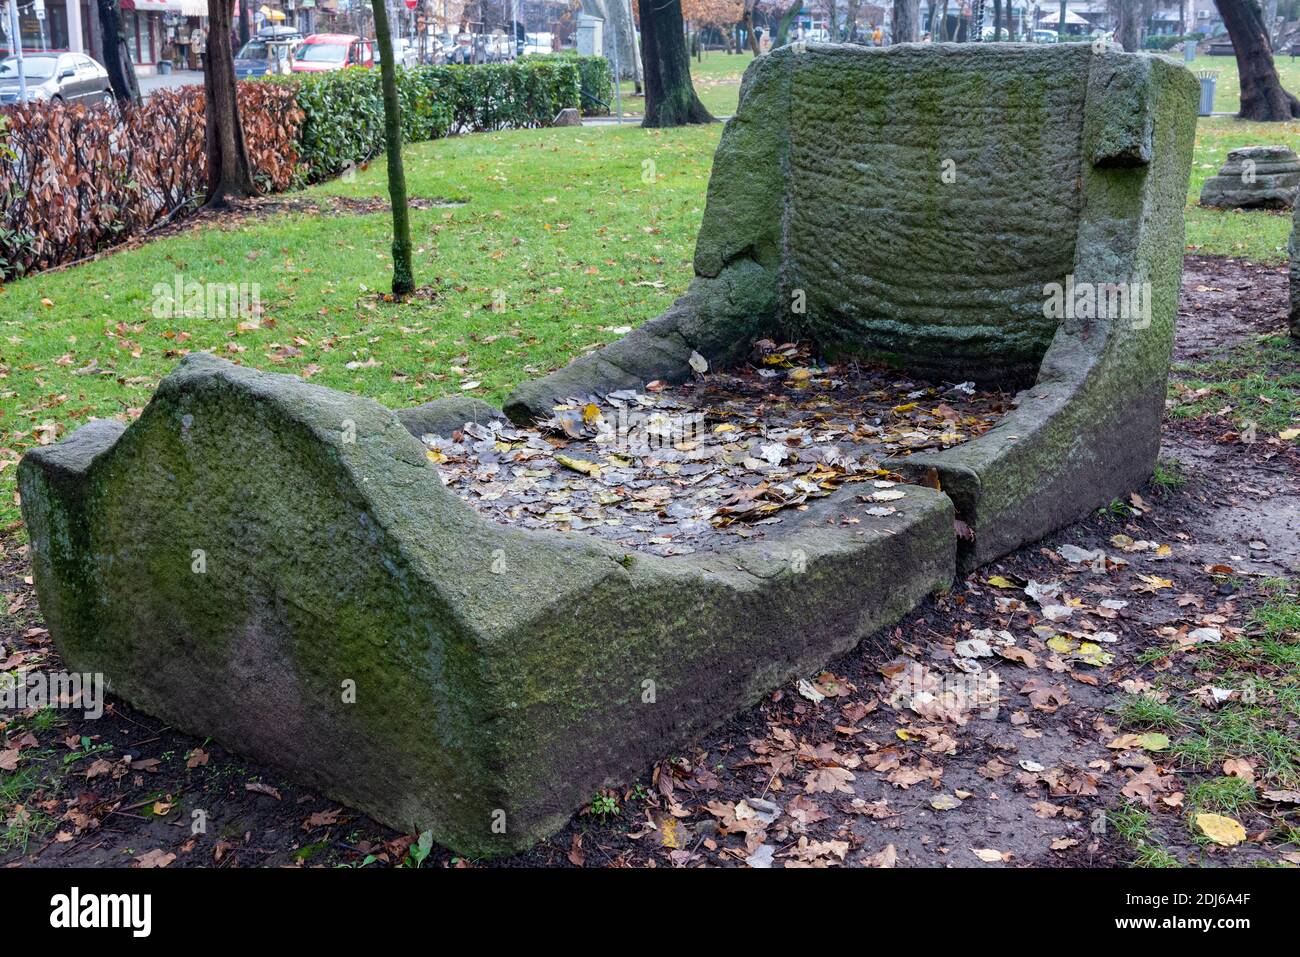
x: 278, y: 565
x: 1293, y: 247
x: 918, y: 205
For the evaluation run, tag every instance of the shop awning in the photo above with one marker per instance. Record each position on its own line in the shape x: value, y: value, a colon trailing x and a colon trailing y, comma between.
x: 157, y: 6
x: 1070, y: 17
x: 194, y: 8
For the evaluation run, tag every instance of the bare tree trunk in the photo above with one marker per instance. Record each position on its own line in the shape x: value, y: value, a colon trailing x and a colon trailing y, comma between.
x: 1060, y: 24
x: 670, y: 98
x: 941, y: 32
x: 1128, y: 27
x: 748, y: 23
x: 997, y: 19
x: 905, y: 17
x: 832, y: 21
x: 229, y: 171
x: 117, y: 58
x: 1262, y: 96
x: 403, y: 274
x: 638, y: 84
x: 1011, y: 22
x: 783, y: 25
x: 244, y: 17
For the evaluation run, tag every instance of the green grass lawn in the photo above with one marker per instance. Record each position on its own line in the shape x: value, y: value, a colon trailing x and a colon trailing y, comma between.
x: 717, y: 78
x: 575, y: 233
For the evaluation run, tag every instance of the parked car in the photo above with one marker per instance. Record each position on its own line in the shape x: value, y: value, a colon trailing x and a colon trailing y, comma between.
x: 461, y: 49
x: 405, y: 52
x: 536, y: 43
x: 1045, y: 36
x: 55, y: 78
x: 254, y: 57
x: 496, y: 47
x: 333, y: 51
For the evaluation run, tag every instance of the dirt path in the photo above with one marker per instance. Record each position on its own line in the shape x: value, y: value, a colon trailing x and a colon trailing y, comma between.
x: 889, y: 757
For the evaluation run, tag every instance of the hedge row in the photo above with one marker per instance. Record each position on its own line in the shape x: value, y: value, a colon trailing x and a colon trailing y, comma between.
x: 344, y: 110
x: 595, y: 77
x: 77, y: 179
x: 74, y: 180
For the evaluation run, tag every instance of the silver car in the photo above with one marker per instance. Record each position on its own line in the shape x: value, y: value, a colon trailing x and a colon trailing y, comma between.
x: 54, y: 78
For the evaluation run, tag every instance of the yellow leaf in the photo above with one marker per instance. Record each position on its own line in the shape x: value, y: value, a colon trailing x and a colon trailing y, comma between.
x: 1156, y: 582
x: 591, y: 413
x: 1092, y: 654
x: 1153, y: 741
x: 434, y: 456
x: 579, y: 465
x: 1289, y: 435
x: 1221, y: 830
x: 1001, y: 581
x: 1061, y: 644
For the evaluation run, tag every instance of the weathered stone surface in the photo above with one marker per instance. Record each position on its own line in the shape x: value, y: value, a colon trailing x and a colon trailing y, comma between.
x: 253, y: 546
x: 254, y: 543
x: 567, y: 117
x: 445, y: 416
x: 1293, y: 247
x: 914, y: 204
x: 1255, y: 177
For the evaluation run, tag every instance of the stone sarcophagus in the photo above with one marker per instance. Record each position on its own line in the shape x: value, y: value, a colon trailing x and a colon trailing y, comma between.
x: 278, y: 565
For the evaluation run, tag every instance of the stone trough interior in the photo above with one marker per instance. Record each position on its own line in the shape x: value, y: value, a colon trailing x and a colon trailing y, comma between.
x: 726, y: 456
x: 254, y: 545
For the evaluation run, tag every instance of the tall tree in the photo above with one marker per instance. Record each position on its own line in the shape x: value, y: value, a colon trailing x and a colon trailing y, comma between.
x: 1129, y: 16
x: 403, y: 274
x: 244, y: 17
x: 997, y: 20
x: 747, y: 21
x: 230, y: 175
x: 1060, y: 24
x: 117, y: 58
x: 1262, y: 96
x: 670, y: 98
x: 906, y: 14
x: 783, y: 25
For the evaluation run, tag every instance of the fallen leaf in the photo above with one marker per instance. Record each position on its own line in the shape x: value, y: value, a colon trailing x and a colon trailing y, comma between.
x: 1220, y: 829
x: 155, y: 858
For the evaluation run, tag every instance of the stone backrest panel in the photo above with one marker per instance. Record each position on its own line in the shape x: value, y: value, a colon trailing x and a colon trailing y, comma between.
x: 931, y: 193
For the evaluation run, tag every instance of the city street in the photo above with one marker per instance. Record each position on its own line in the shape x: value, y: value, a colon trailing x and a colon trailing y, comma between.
x: 171, y: 81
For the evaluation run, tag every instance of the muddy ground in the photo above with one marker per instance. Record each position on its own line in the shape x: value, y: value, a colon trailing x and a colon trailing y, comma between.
x: 856, y: 778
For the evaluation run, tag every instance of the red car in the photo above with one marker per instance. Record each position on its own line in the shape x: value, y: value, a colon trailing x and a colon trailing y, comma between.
x: 333, y: 51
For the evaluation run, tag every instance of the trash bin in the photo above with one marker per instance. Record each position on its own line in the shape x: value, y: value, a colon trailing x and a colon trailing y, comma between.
x: 1189, y: 51
x: 164, y: 67
x: 1208, y: 78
